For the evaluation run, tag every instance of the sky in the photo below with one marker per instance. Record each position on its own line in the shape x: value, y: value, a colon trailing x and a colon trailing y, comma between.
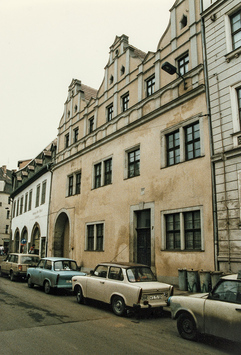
x: 47, y: 43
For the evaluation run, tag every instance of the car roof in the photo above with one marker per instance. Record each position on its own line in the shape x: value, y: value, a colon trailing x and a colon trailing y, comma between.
x: 123, y: 264
x: 55, y: 258
x: 231, y: 277
x: 22, y: 254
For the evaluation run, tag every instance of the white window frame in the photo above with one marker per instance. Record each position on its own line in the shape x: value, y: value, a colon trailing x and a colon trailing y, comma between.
x: 235, y: 112
x: 181, y: 211
x: 95, y: 235
x: 102, y: 162
x: 181, y: 127
x: 228, y: 30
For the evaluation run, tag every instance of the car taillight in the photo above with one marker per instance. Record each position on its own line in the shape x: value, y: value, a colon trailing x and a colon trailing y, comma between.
x: 19, y: 267
x: 140, y: 294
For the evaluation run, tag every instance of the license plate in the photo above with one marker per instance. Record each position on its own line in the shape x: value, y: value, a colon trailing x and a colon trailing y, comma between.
x: 156, y: 297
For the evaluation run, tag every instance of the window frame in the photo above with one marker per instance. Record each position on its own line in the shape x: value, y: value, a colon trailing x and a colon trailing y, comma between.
x: 125, y: 101
x: 43, y: 192
x: 183, y: 64
x: 150, y: 86
x: 235, y: 32
x: 73, y: 184
x: 76, y: 135
x: 183, y: 232
x: 109, y: 112
x: 91, y: 241
x: 91, y: 123
x: 66, y: 142
x: 105, y: 173
x: 181, y: 128
x: 37, y: 200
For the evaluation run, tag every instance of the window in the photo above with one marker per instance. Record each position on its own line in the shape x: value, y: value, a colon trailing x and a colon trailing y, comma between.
x: 76, y: 134
x: 239, y: 103
x: 183, y: 64
x: 78, y: 183
x: 66, y: 140
x: 26, y: 202
x: 111, y: 79
x: 17, y: 212
x: 37, y: 196
x: 8, y: 214
x: 122, y: 71
x: 192, y: 141
x: 43, y: 195
x: 6, y: 229
x: 115, y: 273
x: 150, y: 86
x: 134, y: 163
x: 173, y: 148
x: 125, y: 102
x: 182, y: 230
x: 71, y: 184
x: 236, y: 29
x: 109, y: 113
x: 102, y: 173
x: 95, y: 237
x: 91, y: 124
x: 108, y: 171
x: 97, y: 175
x: 183, y: 22
x: 21, y: 205
x: 183, y: 143
x: 30, y: 200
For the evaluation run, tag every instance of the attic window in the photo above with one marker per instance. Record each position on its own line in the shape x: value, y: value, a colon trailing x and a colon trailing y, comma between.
x: 122, y: 70
x: 68, y: 113
x: 183, y: 22
x: 111, y: 79
x: 75, y: 108
x: 116, y: 52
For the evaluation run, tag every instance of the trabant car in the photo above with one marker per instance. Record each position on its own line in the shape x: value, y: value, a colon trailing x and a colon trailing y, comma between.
x: 217, y: 313
x: 53, y: 273
x: 123, y: 285
x: 16, y: 264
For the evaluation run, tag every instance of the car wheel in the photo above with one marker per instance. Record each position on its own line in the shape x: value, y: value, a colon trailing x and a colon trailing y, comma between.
x: 1, y: 274
x: 12, y: 277
x: 118, y: 305
x: 186, y: 327
x: 30, y: 284
x: 47, y: 287
x: 79, y: 295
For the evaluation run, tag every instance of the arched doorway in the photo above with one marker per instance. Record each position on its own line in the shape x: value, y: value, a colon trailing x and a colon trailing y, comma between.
x: 35, y: 239
x: 16, y: 242
x: 24, y: 241
x: 61, y: 236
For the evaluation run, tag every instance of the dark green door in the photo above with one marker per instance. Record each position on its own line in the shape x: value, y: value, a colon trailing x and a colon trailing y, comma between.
x: 143, y: 237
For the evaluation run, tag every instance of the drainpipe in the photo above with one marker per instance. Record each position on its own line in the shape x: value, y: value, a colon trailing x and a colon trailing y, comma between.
x: 213, y: 180
x: 50, y: 189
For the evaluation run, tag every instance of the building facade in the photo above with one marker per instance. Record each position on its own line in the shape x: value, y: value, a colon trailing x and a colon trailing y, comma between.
x: 30, y: 201
x: 132, y: 177
x: 5, y: 207
x: 222, y: 23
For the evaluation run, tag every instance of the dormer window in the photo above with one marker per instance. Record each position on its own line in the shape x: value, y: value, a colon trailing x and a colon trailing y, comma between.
x: 111, y: 79
x: 122, y: 70
x: 75, y: 108
x: 68, y: 113
x: 183, y: 22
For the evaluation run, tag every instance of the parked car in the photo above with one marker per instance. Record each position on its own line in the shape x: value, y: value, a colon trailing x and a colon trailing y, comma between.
x: 216, y: 313
x: 123, y: 285
x: 53, y: 273
x: 16, y: 264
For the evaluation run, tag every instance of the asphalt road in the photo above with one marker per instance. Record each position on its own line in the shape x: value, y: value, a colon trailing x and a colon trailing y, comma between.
x: 32, y: 322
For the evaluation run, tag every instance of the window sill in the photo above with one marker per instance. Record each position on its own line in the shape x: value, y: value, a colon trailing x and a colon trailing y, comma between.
x: 234, y: 54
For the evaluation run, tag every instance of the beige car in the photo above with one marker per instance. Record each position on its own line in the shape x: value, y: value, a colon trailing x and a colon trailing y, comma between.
x: 16, y: 265
x: 217, y: 313
x: 123, y: 285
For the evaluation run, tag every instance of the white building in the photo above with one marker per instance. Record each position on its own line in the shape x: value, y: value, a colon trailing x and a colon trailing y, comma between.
x: 31, y: 196
x: 5, y: 206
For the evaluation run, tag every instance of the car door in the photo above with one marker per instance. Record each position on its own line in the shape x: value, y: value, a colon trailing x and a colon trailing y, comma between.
x: 223, y: 311
x: 36, y: 273
x: 96, y: 284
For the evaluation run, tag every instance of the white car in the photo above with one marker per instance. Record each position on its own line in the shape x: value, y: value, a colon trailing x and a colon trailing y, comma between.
x: 123, y: 285
x: 217, y: 313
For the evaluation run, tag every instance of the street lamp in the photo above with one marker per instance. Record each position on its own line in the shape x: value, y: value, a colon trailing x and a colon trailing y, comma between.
x: 170, y: 69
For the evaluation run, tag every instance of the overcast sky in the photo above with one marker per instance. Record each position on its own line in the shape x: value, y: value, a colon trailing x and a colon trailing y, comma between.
x: 45, y: 44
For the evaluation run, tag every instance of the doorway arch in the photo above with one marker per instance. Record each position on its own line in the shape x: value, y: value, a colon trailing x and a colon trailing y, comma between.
x: 35, y: 238
x: 16, y: 242
x: 61, y: 236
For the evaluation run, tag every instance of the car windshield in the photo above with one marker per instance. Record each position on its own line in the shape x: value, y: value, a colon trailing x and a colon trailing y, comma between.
x: 31, y: 260
x: 65, y: 265
x: 140, y: 274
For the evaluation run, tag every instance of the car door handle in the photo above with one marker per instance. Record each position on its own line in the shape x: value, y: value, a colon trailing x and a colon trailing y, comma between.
x: 238, y: 309
x: 102, y: 282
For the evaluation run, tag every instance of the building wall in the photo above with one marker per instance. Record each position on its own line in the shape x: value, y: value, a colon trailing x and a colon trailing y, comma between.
x: 224, y: 75
x: 160, y: 189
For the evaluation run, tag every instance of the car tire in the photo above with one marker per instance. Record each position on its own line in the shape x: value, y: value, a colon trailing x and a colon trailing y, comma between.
x: 187, y: 327
x: 79, y: 295
x: 30, y: 284
x: 118, y: 306
x: 1, y: 274
x: 47, y: 287
x: 12, y: 277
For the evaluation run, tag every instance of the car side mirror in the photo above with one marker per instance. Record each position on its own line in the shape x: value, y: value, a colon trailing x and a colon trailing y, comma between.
x: 91, y: 272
